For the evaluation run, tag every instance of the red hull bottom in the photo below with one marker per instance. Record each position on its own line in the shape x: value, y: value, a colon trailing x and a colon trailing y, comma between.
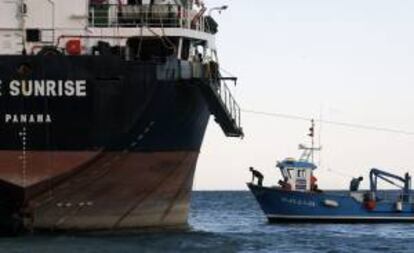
x: 113, y: 190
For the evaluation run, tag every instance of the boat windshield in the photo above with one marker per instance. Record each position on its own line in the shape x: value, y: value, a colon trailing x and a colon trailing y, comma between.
x: 288, y: 172
x: 301, y: 173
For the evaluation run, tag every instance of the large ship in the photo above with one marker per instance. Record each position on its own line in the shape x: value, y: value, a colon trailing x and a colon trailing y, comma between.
x: 103, y: 110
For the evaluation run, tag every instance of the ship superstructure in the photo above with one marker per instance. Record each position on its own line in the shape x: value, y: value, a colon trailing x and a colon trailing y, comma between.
x: 103, y: 109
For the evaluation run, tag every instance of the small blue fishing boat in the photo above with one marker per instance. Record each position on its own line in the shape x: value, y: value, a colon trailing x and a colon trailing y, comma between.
x: 298, y: 199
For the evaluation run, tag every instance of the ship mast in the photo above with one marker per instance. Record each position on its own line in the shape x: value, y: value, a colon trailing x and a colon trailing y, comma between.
x: 22, y: 13
x: 308, y: 153
x: 312, y: 136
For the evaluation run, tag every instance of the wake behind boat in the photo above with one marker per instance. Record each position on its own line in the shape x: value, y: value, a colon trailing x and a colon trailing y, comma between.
x: 298, y: 199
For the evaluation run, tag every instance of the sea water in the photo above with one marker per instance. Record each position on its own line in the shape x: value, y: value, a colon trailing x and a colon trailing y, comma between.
x: 230, y: 222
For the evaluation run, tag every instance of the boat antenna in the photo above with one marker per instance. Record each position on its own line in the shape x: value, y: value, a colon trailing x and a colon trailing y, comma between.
x: 312, y: 136
x: 320, y: 134
x: 308, y: 152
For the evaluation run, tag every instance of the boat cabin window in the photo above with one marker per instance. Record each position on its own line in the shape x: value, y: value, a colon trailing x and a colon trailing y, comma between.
x: 290, y: 172
x: 301, y: 174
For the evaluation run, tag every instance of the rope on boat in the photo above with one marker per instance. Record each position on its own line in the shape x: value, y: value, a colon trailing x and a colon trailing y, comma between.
x: 330, y: 122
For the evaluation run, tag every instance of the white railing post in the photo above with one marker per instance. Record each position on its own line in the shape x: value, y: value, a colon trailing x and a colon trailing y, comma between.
x: 93, y: 16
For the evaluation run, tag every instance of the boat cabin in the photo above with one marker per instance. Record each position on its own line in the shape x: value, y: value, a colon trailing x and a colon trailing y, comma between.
x: 297, y: 175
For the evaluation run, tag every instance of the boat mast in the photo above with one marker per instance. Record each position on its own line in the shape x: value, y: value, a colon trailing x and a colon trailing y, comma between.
x: 308, y: 153
x: 22, y: 13
x: 312, y: 136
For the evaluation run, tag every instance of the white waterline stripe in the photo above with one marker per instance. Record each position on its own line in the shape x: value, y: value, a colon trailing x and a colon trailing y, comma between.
x: 339, y: 217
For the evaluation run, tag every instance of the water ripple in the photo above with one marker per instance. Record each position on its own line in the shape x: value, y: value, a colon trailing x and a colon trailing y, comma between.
x: 230, y: 222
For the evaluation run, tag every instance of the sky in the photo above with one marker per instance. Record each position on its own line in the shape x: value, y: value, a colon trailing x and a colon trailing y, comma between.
x: 337, y: 60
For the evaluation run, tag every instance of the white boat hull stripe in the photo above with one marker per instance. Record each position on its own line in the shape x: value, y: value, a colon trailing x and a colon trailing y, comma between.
x: 277, y: 216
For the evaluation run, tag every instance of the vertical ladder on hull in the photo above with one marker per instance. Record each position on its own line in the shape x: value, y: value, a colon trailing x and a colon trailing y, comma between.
x: 223, y: 105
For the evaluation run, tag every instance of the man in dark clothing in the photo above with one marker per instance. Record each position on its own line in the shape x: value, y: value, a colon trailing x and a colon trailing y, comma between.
x: 285, y: 185
x: 355, y: 182
x: 258, y: 175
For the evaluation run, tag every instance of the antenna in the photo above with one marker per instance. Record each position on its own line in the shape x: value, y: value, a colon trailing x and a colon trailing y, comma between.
x: 320, y: 134
x: 312, y: 136
x: 308, y: 153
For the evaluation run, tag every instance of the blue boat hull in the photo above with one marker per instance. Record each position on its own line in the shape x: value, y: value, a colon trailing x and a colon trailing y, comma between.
x: 292, y: 206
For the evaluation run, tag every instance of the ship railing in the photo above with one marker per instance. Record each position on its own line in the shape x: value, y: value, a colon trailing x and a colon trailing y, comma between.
x: 162, y: 16
x: 223, y: 92
x: 389, y: 196
x: 214, y: 88
x: 384, y: 196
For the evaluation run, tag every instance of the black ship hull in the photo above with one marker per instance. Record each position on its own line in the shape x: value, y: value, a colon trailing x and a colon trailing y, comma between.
x: 90, y: 143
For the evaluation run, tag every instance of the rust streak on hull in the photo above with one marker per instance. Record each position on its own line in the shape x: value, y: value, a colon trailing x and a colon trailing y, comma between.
x: 117, y: 191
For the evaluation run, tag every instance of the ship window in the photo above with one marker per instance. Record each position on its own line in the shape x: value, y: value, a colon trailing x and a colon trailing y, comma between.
x: 284, y: 173
x: 301, y: 174
x: 290, y: 172
x: 33, y: 35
